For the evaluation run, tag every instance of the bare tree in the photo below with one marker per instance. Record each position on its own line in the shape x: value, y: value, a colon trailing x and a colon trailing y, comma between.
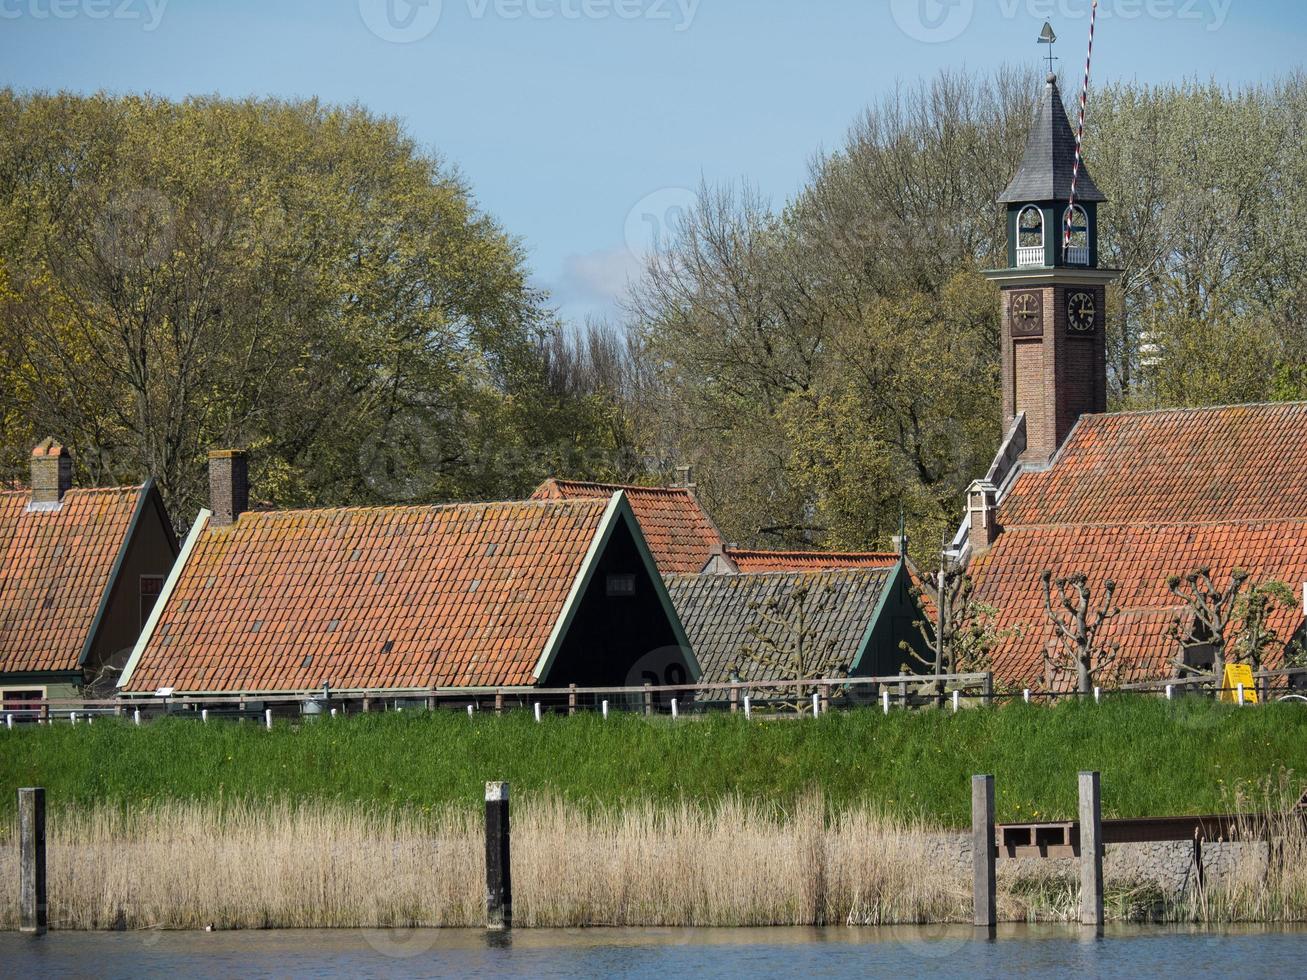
x: 958, y: 634
x: 1209, y: 615
x: 787, y: 643
x: 1077, y: 624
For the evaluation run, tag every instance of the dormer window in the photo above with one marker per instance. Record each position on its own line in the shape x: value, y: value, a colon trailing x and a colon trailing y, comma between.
x: 1030, y: 237
x: 1077, y: 246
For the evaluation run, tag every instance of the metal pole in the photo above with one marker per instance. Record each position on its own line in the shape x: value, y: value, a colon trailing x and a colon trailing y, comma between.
x: 1091, y: 850
x: 31, y: 860
x: 984, y: 883
x: 499, y: 872
x: 956, y: 700
x: 884, y: 700
x: 816, y: 705
x: 674, y: 715
x: 748, y: 708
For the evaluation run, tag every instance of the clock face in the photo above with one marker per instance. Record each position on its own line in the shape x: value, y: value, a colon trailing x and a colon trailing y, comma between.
x: 1027, y: 314
x: 1081, y: 312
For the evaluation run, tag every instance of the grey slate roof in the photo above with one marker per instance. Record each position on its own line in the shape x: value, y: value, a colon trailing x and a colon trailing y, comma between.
x: 718, y: 612
x: 1046, y: 168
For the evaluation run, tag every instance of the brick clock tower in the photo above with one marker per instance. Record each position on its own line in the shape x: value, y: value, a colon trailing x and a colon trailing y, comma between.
x: 1054, y: 294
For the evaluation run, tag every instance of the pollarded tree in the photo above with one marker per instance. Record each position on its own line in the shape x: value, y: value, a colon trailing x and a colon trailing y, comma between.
x: 1077, y: 624
x: 958, y: 633
x: 787, y: 642
x: 1210, y: 613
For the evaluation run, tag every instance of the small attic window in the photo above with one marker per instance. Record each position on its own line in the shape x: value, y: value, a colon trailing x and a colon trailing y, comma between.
x: 620, y: 586
x: 1030, y: 237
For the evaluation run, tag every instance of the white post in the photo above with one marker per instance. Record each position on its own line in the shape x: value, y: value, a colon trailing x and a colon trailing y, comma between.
x: 1098, y: 695
x: 1170, y: 690
x: 674, y: 715
x: 748, y: 710
x: 537, y: 711
x: 204, y: 715
x: 816, y: 705
x: 957, y: 697
x: 469, y: 711
x: 1240, y: 692
x: 605, y: 710
x: 333, y: 712
x: 9, y: 721
x: 136, y: 715
x: 884, y: 700
x: 267, y: 718
x: 1026, y: 694
x: 72, y: 715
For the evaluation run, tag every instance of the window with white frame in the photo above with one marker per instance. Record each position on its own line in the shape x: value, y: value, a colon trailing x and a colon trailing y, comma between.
x: 1030, y: 236
x: 1077, y: 244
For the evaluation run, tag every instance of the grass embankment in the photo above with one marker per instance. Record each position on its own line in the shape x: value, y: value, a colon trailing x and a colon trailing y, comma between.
x: 1157, y: 758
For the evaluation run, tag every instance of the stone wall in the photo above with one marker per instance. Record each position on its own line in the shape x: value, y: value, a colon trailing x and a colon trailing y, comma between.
x: 1168, y: 865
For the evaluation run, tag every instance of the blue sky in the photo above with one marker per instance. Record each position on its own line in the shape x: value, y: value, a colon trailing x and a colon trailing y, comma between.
x: 582, y: 125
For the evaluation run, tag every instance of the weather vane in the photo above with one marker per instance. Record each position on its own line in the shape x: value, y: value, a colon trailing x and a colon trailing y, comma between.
x: 1046, y: 36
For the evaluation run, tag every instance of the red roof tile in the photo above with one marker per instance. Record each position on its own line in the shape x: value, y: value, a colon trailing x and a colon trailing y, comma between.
x: 679, y: 531
x: 1139, y: 497
x: 807, y: 561
x: 382, y: 598
x: 54, y: 567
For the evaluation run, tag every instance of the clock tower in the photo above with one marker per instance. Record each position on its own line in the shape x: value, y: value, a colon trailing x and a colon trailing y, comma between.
x: 1054, y: 295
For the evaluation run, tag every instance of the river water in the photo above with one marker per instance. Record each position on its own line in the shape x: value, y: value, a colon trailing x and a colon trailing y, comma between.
x: 664, y: 954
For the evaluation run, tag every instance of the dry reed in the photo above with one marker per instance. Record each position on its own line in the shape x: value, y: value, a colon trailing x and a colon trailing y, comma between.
x: 180, y: 865
x: 177, y: 865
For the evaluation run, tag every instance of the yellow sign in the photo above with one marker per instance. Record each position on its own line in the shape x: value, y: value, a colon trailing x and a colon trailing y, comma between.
x: 1236, y: 674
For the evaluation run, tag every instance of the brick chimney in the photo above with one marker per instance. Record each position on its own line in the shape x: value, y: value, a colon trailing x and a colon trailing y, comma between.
x: 982, y: 508
x: 52, y: 473
x: 685, y: 477
x: 229, y: 486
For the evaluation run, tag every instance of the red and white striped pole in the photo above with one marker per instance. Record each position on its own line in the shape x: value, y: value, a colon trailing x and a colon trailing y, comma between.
x: 1080, y: 131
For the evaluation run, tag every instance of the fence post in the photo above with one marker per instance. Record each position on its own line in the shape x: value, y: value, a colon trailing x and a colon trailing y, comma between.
x: 470, y: 711
x: 735, y: 699
x: 825, y: 698
x: 431, y: 702
x: 571, y: 699
x: 499, y: 703
x: 957, y: 695
x: 1239, y: 692
x: 537, y: 711
x: 748, y: 708
x: 648, y: 699
x: 45, y: 712
x: 605, y: 709
x: 816, y: 705
x: 884, y: 699
x: 31, y: 846
x: 136, y: 715
x: 987, y: 691
x: 204, y: 715
x: 674, y: 712
x: 499, y: 871
x: 984, y: 884
x: 1091, y: 850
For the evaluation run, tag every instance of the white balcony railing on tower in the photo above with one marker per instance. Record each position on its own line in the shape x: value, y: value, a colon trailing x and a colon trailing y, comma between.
x: 1077, y: 255
x: 1033, y: 255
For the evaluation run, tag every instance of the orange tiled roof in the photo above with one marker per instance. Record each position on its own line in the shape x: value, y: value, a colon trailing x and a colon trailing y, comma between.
x: 465, y: 595
x: 54, y: 568
x: 1138, y: 497
x: 679, y: 531
x: 807, y: 561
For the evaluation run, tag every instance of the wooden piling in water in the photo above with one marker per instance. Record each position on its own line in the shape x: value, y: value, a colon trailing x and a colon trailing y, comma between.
x: 1091, y: 850
x: 31, y: 860
x: 499, y: 876
x: 984, y: 882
